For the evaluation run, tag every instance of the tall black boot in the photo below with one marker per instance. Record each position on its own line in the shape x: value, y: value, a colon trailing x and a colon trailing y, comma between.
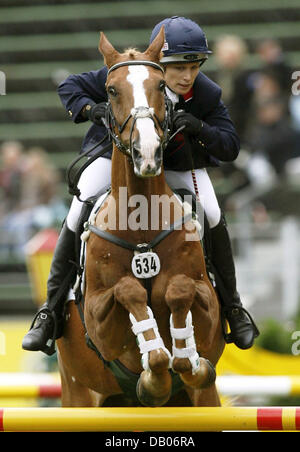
x: 48, y: 322
x: 243, y: 330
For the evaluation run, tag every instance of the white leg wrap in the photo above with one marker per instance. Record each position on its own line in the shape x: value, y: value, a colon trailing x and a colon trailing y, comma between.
x: 145, y: 347
x: 187, y: 334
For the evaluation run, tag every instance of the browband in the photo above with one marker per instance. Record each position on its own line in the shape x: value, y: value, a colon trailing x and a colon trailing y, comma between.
x: 135, y: 63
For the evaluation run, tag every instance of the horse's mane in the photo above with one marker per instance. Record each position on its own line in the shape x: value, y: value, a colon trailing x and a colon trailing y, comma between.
x: 132, y: 54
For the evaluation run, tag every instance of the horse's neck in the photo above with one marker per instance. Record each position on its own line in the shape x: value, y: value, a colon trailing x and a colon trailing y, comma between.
x: 138, y: 198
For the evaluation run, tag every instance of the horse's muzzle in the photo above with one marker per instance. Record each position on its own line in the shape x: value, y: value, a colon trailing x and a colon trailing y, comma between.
x: 147, y: 166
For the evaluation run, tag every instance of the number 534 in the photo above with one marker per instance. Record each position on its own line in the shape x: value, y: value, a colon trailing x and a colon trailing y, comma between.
x: 145, y: 265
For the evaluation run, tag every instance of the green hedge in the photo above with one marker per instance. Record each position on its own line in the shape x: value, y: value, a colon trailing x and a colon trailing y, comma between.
x: 276, y: 336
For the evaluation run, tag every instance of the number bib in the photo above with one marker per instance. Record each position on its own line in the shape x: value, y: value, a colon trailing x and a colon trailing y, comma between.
x: 145, y: 265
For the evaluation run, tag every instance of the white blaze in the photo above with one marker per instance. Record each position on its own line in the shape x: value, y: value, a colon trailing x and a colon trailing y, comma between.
x: 149, y: 140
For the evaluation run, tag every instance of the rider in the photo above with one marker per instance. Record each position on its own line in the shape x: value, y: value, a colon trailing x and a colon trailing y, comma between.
x: 209, y: 136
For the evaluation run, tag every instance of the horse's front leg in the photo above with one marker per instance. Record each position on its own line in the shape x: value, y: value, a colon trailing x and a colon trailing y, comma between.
x: 106, y: 322
x: 195, y: 371
x: 154, y: 386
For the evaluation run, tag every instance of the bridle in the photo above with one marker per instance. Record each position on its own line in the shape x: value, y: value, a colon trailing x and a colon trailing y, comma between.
x: 111, y: 124
x: 137, y: 113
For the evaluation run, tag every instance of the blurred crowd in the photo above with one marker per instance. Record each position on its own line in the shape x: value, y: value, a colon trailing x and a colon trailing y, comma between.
x: 265, y: 111
x: 29, y: 197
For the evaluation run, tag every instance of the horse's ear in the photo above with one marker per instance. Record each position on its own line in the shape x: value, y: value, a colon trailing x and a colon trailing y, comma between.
x: 108, y: 51
x: 154, y: 49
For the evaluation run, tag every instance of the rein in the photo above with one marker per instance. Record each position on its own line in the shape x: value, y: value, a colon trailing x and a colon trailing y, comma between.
x: 73, y: 176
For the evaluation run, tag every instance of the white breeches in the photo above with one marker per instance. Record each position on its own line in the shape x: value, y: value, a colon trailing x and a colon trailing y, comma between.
x: 208, y: 199
x: 98, y: 175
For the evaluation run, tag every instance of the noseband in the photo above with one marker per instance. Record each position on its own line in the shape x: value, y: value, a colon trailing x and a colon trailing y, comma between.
x: 137, y: 113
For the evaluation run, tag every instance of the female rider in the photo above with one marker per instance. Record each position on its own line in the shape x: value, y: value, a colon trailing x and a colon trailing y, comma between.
x: 209, y: 136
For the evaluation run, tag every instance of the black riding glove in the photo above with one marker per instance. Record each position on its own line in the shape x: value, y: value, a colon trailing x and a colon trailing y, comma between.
x: 192, y: 125
x: 97, y: 112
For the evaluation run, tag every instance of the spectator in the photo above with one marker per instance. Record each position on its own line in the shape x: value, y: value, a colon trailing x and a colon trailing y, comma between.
x: 38, y: 205
x: 272, y: 136
x: 236, y: 81
x: 40, y: 180
x: 10, y: 176
x: 40, y: 190
x: 273, y: 60
x: 267, y: 87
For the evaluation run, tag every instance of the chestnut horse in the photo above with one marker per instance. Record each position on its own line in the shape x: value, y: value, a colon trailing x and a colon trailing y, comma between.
x: 175, y: 325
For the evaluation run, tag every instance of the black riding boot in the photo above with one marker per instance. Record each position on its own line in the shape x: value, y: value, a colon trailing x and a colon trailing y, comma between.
x: 48, y: 322
x: 243, y: 330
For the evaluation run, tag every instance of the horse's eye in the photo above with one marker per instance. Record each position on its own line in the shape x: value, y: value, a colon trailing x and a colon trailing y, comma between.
x: 112, y: 91
x: 162, y: 85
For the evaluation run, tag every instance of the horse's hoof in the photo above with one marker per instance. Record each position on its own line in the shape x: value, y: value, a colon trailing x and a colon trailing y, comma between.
x: 152, y: 396
x: 203, y: 378
x: 208, y: 373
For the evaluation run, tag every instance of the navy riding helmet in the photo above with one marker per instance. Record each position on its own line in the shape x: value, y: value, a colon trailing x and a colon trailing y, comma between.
x: 185, y: 41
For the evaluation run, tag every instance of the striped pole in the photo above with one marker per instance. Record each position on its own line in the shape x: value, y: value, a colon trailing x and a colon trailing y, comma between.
x: 29, y: 385
x: 241, y: 385
x: 48, y: 385
x: 149, y: 419
x: 36, y: 391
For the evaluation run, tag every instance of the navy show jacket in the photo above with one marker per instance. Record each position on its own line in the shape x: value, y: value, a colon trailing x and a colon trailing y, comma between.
x: 219, y: 138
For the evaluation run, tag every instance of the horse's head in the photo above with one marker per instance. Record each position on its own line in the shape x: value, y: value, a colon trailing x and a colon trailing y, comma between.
x: 136, y: 111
